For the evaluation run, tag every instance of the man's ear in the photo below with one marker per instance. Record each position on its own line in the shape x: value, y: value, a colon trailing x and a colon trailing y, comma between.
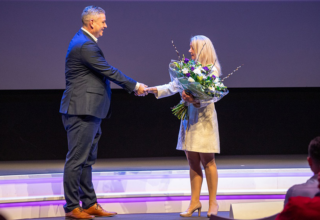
x: 91, y: 23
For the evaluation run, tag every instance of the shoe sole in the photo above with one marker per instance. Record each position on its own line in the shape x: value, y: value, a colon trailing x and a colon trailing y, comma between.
x: 70, y: 218
x: 98, y: 216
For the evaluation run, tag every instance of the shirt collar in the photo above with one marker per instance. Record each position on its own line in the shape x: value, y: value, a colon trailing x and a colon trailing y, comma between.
x: 93, y: 37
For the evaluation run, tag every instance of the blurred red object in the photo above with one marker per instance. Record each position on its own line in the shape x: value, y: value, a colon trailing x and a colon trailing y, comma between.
x: 301, y: 208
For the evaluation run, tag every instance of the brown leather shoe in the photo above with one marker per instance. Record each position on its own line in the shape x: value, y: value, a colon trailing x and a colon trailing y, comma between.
x: 98, y: 211
x: 78, y: 213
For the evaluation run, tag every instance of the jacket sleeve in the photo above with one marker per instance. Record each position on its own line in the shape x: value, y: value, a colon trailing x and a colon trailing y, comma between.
x: 92, y: 58
x: 168, y: 90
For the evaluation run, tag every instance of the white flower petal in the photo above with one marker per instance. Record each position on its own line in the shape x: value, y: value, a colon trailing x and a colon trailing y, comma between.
x: 197, y: 71
x: 185, y: 70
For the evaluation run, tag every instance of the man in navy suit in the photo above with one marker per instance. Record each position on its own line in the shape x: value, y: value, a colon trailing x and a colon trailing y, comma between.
x: 85, y: 102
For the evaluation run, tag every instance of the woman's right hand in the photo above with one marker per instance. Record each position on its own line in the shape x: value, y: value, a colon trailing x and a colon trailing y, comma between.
x: 189, y: 98
x: 153, y: 90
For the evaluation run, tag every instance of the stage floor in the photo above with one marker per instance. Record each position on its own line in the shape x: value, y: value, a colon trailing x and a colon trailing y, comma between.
x: 163, y: 163
x: 149, y: 216
x: 149, y: 188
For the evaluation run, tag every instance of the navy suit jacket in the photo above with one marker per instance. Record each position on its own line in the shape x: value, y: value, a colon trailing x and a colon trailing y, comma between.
x: 88, y: 77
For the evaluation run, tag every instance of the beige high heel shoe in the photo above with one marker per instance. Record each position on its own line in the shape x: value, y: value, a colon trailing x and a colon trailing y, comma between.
x: 189, y: 211
x: 213, y: 213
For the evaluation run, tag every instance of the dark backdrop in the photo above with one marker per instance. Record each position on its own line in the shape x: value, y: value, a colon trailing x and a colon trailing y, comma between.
x: 269, y: 109
x: 252, y: 121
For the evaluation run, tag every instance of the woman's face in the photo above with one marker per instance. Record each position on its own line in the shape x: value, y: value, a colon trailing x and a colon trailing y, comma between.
x: 192, y: 53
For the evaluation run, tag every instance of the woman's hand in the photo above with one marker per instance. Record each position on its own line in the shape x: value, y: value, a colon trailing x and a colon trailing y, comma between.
x: 153, y: 90
x: 197, y: 104
x: 190, y: 99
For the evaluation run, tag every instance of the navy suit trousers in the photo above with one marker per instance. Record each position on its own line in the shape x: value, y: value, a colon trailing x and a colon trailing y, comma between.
x: 83, y: 134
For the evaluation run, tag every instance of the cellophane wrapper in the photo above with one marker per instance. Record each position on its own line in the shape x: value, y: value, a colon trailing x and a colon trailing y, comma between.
x: 195, y: 88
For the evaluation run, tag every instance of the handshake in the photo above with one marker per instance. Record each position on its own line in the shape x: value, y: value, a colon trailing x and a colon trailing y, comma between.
x: 144, y: 90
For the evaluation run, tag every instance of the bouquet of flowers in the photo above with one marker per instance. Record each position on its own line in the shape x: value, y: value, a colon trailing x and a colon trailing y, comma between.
x: 195, y: 79
x: 198, y: 80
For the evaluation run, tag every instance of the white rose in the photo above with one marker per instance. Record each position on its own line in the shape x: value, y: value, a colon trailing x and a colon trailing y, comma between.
x: 217, y: 80
x: 197, y: 71
x: 190, y: 79
x: 220, y: 84
x: 185, y: 70
x: 211, y: 88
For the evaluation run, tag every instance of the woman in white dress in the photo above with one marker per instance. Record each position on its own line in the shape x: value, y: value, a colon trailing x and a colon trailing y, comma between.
x: 199, y: 134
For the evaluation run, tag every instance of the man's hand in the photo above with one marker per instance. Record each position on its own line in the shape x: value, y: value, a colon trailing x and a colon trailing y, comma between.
x: 190, y: 99
x: 141, y: 91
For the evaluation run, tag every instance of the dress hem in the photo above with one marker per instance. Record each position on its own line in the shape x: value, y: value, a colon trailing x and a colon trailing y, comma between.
x: 199, y: 151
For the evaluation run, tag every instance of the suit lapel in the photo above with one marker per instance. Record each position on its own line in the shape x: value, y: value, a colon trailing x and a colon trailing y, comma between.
x: 87, y: 35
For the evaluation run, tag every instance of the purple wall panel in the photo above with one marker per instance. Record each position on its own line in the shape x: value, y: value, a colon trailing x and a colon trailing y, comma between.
x: 277, y: 41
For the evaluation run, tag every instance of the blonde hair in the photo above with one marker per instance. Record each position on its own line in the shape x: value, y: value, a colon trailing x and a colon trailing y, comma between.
x: 208, y: 54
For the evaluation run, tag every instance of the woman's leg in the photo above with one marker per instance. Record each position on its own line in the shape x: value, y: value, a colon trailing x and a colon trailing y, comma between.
x: 210, y: 168
x: 196, y: 177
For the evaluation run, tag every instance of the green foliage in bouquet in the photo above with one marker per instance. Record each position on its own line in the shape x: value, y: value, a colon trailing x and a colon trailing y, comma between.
x: 191, y: 71
x: 197, y: 80
x: 180, y: 111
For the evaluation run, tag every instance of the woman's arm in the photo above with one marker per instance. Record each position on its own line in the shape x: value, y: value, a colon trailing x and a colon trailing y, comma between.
x: 152, y: 90
x: 164, y: 90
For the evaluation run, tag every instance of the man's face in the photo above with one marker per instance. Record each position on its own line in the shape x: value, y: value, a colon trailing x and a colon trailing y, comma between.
x: 99, y: 23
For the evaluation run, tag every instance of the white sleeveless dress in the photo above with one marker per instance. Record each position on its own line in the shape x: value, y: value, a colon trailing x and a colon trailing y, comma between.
x: 200, y: 132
